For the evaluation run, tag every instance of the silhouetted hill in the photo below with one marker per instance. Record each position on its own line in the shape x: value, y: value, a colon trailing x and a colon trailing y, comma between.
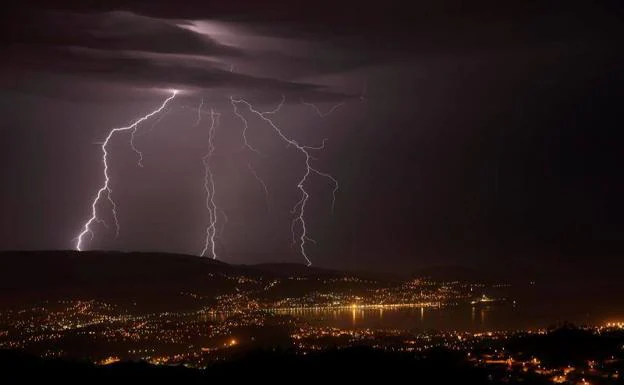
x: 457, y: 273
x: 42, y: 275
x: 297, y: 270
x: 162, y: 281
x: 568, y: 345
x: 558, y: 348
x: 153, y: 278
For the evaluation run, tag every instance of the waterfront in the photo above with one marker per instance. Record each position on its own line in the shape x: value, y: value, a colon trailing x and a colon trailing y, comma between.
x: 463, y: 317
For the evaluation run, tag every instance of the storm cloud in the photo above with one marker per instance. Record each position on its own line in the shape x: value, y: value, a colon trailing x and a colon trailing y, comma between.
x: 139, y: 51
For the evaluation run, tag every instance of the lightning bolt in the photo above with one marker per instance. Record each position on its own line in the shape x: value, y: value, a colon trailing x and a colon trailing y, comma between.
x: 201, y: 104
x: 105, y: 189
x: 318, y: 110
x: 278, y: 108
x: 299, y: 207
x: 209, y: 186
x: 226, y: 219
x: 245, y: 127
x: 253, y: 149
x: 264, y: 186
x: 160, y: 118
x: 136, y: 150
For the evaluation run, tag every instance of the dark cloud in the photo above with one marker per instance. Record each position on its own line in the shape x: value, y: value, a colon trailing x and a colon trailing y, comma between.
x: 141, y: 51
x: 112, y: 31
x: 139, y: 69
x: 163, y: 51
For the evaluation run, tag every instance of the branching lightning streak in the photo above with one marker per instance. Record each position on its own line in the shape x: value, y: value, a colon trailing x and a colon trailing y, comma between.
x: 105, y: 189
x: 300, y: 206
x: 160, y: 118
x: 245, y: 127
x: 334, y: 181
x: 264, y: 186
x: 201, y: 104
x: 139, y: 153
x: 226, y: 219
x: 318, y: 110
x: 209, y: 186
x: 278, y: 108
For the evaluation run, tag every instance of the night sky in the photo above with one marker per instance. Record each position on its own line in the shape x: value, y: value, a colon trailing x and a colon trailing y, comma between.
x: 474, y: 133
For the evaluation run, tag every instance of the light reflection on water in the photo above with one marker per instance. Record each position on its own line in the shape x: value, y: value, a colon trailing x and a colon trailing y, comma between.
x: 461, y: 317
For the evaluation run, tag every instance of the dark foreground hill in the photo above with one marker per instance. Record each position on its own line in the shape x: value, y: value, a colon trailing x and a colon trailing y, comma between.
x: 354, y: 364
x: 564, y: 347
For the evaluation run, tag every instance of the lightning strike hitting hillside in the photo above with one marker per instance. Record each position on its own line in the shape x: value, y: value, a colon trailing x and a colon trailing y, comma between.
x: 209, y: 248
x: 300, y: 206
x: 105, y: 190
x: 209, y: 186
